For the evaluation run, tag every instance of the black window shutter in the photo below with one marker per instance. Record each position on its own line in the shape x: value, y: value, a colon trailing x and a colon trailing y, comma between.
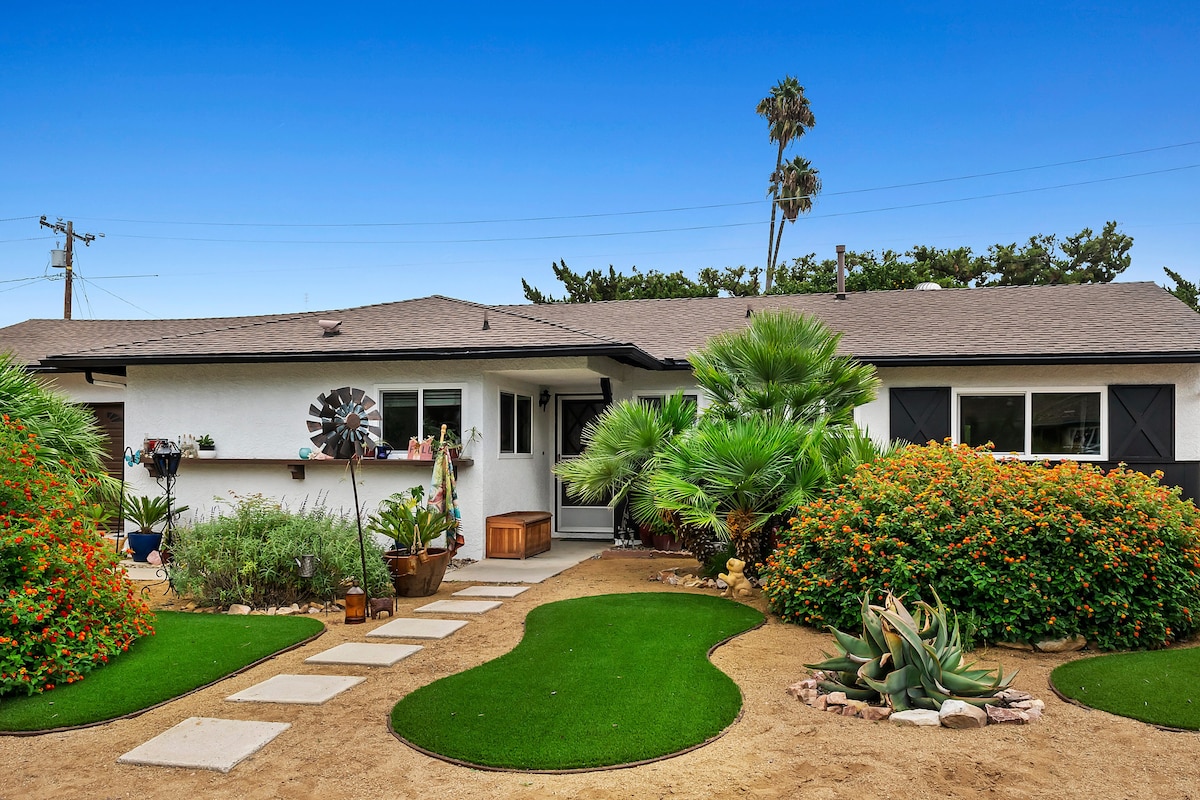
x: 920, y: 414
x: 1141, y: 423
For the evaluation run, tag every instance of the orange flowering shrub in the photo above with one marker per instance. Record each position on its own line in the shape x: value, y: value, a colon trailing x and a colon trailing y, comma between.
x: 1028, y: 551
x: 65, y: 605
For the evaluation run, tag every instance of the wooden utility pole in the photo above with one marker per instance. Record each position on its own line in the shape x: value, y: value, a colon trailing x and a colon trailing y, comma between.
x: 68, y: 228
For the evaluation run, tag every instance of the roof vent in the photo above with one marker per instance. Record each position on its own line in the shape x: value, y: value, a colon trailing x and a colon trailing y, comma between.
x: 330, y: 327
x: 926, y: 286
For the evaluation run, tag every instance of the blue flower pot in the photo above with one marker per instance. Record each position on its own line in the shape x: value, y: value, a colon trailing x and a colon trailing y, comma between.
x: 143, y: 544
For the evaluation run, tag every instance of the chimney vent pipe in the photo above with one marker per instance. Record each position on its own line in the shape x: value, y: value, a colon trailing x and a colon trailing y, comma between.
x: 841, y: 272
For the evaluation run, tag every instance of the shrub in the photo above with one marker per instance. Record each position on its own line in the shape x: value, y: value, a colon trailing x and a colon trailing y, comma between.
x: 249, y: 555
x: 66, y: 606
x: 1030, y: 551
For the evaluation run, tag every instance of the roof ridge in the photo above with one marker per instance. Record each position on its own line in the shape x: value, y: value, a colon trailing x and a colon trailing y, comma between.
x: 551, y: 323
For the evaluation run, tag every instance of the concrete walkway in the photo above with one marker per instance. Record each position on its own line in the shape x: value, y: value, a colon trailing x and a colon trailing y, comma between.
x: 563, y: 554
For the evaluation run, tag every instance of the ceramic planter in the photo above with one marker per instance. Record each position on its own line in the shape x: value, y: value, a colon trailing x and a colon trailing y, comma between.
x: 143, y: 544
x: 418, y: 575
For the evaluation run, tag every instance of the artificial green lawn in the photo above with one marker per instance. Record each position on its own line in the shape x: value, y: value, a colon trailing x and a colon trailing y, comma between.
x: 187, y: 651
x: 1160, y: 687
x: 595, y: 681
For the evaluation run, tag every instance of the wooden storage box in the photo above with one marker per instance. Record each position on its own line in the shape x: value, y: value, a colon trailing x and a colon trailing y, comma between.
x: 518, y: 534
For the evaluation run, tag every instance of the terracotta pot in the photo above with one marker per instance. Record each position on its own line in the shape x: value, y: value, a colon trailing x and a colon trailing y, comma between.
x: 666, y: 542
x: 418, y: 575
x: 646, y: 536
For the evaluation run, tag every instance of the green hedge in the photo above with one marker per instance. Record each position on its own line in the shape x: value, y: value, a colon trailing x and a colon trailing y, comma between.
x: 1026, y: 551
x: 248, y: 555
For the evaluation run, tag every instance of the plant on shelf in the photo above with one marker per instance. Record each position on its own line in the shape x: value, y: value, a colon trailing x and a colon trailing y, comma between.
x: 208, y: 448
x: 410, y: 524
x: 907, y: 660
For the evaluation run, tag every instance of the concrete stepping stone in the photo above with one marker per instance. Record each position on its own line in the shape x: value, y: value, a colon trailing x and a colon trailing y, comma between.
x: 409, y: 628
x: 205, y: 743
x: 460, y: 607
x: 367, y: 655
x: 491, y: 591
x: 310, y: 690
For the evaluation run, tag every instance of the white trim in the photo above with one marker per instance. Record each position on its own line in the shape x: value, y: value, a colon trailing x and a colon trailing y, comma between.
x: 1028, y: 393
x: 419, y: 388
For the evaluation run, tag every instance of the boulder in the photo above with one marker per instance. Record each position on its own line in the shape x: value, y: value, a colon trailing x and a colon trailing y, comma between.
x: 916, y: 718
x: 238, y: 608
x: 1015, y: 645
x: 958, y: 714
x: 1068, y: 644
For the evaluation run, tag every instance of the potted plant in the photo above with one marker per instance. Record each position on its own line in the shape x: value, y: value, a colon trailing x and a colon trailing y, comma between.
x: 417, y: 569
x: 208, y: 448
x: 146, y: 512
x: 455, y: 445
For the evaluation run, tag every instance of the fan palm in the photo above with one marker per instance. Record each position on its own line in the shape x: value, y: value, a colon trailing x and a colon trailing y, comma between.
x: 782, y: 364
x: 793, y: 185
x: 788, y: 117
x: 619, y: 444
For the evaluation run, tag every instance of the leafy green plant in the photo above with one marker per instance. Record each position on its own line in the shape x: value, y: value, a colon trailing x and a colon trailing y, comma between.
x: 1036, y: 552
x: 410, y: 524
x: 67, y: 433
x: 248, y: 555
x: 205, y: 441
x: 908, y: 660
x: 66, y: 606
x: 146, y: 511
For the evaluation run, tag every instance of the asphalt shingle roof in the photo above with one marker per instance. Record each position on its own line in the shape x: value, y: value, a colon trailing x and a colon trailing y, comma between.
x: 1139, y: 321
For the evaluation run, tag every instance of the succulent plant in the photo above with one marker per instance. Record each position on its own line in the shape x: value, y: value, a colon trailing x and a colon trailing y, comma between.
x: 908, y: 660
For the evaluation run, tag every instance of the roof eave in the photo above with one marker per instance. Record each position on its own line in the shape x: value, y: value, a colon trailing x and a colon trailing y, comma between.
x: 1017, y: 359
x: 627, y: 354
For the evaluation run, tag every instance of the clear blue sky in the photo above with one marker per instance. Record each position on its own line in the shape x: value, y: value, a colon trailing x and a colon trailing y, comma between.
x: 448, y: 128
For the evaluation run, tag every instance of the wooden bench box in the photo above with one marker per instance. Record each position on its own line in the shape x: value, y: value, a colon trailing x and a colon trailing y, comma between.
x: 518, y: 534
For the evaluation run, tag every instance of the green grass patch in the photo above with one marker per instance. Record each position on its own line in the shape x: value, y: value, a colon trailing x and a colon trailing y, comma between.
x: 595, y: 681
x: 1160, y: 687
x: 187, y: 651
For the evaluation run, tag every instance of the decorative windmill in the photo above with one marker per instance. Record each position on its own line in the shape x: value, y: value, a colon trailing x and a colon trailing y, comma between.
x: 344, y: 423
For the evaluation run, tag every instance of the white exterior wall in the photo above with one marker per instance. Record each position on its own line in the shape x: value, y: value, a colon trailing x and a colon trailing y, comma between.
x: 1186, y: 377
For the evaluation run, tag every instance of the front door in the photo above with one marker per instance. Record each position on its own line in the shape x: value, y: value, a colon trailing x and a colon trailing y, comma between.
x: 576, y: 518
x: 111, y: 419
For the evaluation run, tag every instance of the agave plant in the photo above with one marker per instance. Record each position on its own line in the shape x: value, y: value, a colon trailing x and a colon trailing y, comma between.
x: 146, y: 511
x: 908, y: 660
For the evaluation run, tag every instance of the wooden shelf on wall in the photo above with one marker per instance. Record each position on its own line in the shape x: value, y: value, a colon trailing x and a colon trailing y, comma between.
x: 297, y: 466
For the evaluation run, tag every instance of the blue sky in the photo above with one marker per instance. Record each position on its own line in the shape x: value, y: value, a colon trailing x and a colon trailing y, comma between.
x: 261, y: 158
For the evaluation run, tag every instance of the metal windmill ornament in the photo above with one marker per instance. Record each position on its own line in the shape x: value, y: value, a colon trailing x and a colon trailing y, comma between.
x: 344, y: 422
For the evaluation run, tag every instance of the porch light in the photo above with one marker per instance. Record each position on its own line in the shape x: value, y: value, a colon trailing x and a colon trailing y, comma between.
x: 544, y: 399
x: 166, y: 457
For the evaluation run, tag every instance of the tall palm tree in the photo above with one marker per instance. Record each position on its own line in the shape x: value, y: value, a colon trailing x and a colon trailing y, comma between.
x: 788, y: 116
x: 793, y: 185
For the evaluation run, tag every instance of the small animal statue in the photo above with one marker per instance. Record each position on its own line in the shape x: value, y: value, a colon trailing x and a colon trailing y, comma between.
x: 736, y: 582
x: 382, y: 604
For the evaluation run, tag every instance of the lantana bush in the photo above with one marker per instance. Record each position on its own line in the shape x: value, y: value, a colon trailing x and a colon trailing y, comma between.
x: 66, y: 606
x: 1028, y: 551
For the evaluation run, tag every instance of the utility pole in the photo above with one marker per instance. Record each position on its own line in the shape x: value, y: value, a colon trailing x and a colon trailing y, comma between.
x: 68, y: 229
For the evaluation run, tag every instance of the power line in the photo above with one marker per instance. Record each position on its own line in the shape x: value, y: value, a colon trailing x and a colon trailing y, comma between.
x: 931, y: 182
x: 690, y: 228
x: 15, y: 219
x: 29, y: 239
x: 122, y: 299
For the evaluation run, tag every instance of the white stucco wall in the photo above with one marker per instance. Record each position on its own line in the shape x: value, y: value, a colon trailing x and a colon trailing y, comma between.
x: 1186, y: 378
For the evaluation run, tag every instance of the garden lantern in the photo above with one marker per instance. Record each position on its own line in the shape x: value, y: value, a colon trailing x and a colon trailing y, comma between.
x: 306, y: 565
x: 356, y: 604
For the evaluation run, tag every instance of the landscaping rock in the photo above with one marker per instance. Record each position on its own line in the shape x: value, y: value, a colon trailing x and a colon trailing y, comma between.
x: 836, y: 698
x: 272, y: 611
x: 284, y: 612
x: 1015, y: 645
x: 876, y: 713
x: 916, y: 718
x: 1007, y: 716
x: 795, y: 689
x: 1066, y: 645
x: 238, y: 608
x: 821, y: 703
x: 1009, y: 696
x: 957, y: 714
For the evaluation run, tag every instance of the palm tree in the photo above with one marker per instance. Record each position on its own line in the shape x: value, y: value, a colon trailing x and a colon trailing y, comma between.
x: 793, y: 185
x: 788, y: 116
x: 618, y: 446
x: 782, y: 364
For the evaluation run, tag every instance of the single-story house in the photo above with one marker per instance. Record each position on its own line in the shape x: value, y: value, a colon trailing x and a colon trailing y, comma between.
x: 1103, y: 373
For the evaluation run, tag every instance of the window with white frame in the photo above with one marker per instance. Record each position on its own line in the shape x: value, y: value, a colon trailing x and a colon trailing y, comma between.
x: 656, y: 400
x: 516, y: 423
x: 1035, y: 423
x: 420, y: 413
